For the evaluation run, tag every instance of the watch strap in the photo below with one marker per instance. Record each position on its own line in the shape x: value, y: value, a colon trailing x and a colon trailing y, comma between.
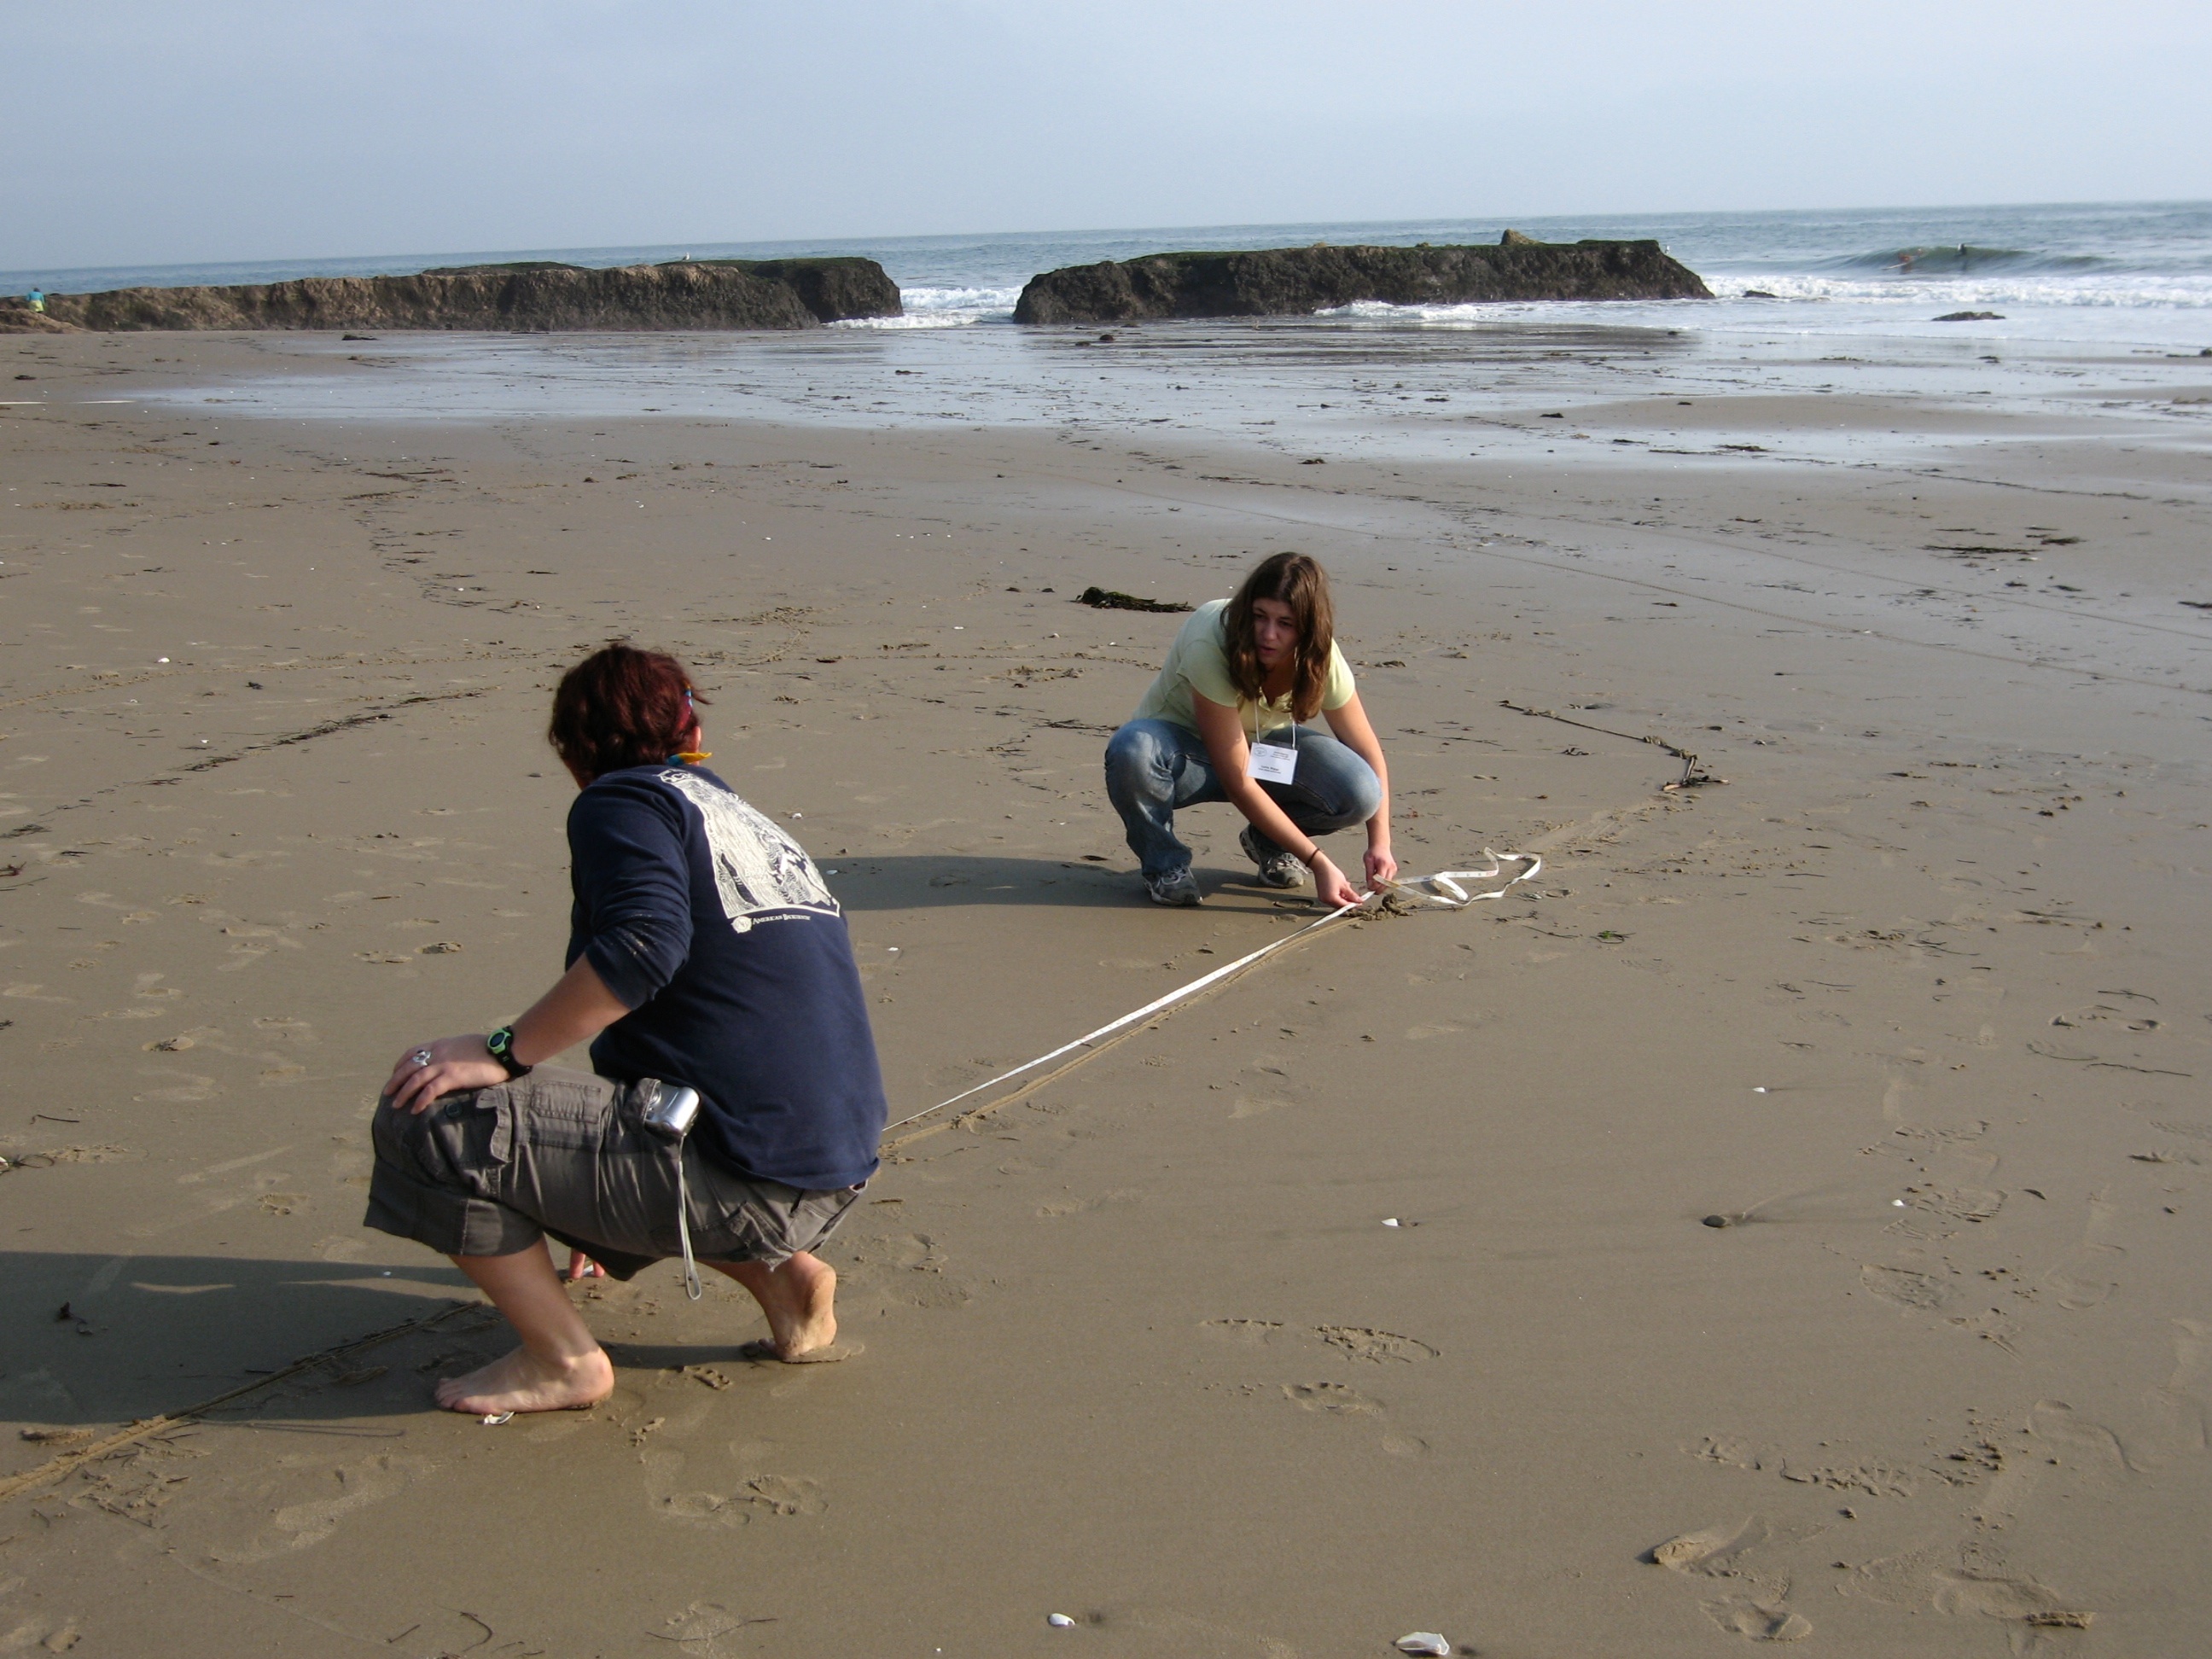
x: 500, y: 1043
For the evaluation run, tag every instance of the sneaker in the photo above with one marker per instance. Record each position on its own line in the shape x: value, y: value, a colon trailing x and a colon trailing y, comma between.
x: 1179, y: 888
x: 1277, y: 869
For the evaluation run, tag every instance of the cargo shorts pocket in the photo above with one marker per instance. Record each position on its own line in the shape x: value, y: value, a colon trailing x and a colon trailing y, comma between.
x: 767, y: 1221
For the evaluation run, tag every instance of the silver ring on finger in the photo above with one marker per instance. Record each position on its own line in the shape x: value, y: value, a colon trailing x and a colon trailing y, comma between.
x: 421, y: 1056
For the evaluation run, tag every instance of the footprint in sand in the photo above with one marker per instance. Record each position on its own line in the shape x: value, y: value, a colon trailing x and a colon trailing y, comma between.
x: 1242, y: 1332
x: 1905, y: 1287
x: 2020, y: 1601
x: 697, y: 1627
x: 2187, y: 1414
x: 924, y: 1283
x: 2079, y: 1442
x: 1060, y: 1206
x: 670, y: 1495
x: 908, y: 1268
x: 1737, y: 1453
x: 41, y: 1632
x: 785, y: 1494
x: 1359, y: 1341
x: 1378, y: 1347
x: 1760, y: 1612
x: 1712, y: 1551
x: 1340, y: 1401
x: 184, y: 1088
x: 1871, y: 1476
x: 1975, y: 1204
x: 332, y: 1494
x: 1758, y: 1620
x: 2084, y: 1278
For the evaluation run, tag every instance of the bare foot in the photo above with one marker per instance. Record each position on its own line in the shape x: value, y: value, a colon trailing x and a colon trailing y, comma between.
x: 519, y: 1381
x: 762, y: 1352
x: 799, y: 1299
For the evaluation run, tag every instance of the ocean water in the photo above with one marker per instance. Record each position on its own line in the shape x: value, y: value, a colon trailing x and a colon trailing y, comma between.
x: 2113, y: 275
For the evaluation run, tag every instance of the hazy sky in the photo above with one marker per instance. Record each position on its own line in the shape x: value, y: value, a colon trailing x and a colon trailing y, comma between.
x: 225, y: 129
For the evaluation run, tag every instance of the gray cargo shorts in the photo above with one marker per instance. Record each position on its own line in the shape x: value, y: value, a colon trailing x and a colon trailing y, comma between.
x: 494, y: 1170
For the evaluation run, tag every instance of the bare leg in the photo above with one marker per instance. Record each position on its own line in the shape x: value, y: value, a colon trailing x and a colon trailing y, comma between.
x: 559, y: 1365
x: 798, y: 1298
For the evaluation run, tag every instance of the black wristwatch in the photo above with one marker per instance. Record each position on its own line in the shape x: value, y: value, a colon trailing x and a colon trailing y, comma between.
x: 501, y: 1045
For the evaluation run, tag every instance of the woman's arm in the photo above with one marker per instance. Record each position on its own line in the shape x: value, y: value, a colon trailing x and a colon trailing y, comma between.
x: 1354, y: 731
x: 1223, y: 732
x: 577, y: 1009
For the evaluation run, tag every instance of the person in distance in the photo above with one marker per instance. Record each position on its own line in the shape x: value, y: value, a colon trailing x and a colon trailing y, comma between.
x: 1227, y: 721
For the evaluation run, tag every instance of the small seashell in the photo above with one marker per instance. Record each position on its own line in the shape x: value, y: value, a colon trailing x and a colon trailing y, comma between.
x: 496, y: 1419
x: 1389, y: 1220
x: 1060, y: 1621
x: 1423, y: 1641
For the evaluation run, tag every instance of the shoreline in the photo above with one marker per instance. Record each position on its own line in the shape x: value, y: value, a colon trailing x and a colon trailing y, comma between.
x: 1914, y: 1001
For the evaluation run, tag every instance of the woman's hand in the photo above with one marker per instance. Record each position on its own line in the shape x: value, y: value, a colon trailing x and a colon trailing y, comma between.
x: 444, y: 1068
x: 1330, y: 886
x: 1381, y: 866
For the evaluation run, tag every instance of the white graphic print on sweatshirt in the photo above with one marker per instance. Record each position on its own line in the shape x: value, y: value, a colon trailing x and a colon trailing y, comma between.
x: 757, y: 868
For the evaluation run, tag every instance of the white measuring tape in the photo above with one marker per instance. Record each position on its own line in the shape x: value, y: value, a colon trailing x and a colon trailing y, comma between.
x: 1441, y: 889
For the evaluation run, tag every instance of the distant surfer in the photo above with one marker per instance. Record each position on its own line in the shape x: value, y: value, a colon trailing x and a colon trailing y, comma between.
x: 703, y: 950
x: 1225, y: 720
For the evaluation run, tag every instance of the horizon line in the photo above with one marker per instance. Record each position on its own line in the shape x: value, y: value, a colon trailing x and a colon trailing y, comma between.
x: 40, y: 275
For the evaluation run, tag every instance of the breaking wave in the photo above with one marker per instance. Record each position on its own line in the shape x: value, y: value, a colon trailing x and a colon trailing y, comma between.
x: 1965, y: 260
x: 946, y: 307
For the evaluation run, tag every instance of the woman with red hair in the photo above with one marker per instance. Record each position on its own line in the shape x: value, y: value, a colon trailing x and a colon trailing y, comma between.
x: 704, y: 955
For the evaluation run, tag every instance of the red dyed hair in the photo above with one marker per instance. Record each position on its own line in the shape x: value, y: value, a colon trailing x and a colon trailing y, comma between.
x: 621, y: 707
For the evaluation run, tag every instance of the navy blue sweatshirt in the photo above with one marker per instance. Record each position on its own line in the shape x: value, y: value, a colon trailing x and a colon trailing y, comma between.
x: 713, y: 927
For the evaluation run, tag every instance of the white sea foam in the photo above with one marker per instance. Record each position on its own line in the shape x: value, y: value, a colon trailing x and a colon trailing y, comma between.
x: 946, y: 307
x: 2134, y: 288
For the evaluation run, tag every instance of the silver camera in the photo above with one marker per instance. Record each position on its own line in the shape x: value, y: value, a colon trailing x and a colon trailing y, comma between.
x: 669, y: 1108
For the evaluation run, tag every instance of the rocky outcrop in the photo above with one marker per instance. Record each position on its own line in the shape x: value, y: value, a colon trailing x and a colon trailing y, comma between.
x: 532, y: 295
x: 16, y: 317
x: 1298, y: 281
x: 834, y: 289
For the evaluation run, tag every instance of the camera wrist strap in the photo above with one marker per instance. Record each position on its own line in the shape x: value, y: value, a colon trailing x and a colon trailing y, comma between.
x: 691, y: 1287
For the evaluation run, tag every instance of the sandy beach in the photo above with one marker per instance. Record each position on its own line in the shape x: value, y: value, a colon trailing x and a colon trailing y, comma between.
x: 1803, y: 1179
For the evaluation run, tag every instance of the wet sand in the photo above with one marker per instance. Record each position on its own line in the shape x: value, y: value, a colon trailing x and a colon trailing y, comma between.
x: 1914, y: 1003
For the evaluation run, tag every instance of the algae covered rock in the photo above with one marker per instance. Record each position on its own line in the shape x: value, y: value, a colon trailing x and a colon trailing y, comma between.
x: 1294, y: 281
x: 529, y: 295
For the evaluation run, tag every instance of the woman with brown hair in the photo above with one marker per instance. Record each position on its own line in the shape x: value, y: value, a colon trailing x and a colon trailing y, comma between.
x: 711, y: 971
x: 1227, y: 720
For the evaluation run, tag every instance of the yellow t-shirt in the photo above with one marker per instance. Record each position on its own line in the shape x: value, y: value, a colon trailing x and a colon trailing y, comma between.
x: 1198, y: 661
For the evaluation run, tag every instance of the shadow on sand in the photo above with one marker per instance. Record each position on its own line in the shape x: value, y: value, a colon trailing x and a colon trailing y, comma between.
x: 923, y: 881
x: 156, y: 1335
x: 147, y: 1335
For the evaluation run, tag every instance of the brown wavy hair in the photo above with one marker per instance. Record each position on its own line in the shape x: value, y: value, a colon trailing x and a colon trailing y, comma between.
x: 1298, y: 581
x: 621, y: 707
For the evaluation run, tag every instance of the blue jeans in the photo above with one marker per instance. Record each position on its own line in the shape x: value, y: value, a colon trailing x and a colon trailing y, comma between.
x: 1154, y: 767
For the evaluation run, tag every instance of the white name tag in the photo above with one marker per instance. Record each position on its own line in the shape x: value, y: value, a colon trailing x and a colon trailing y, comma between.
x: 1274, y: 762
